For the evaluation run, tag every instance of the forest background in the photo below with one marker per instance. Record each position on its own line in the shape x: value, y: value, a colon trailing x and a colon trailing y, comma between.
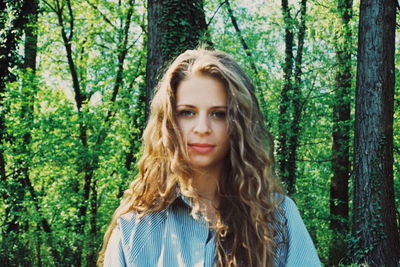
x: 75, y: 82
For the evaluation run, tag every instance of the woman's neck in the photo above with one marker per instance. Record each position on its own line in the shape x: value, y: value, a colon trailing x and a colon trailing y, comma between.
x: 205, y: 182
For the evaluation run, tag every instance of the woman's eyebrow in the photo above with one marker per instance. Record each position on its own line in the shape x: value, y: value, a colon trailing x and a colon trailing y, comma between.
x: 220, y: 107
x: 185, y: 105
x: 191, y: 106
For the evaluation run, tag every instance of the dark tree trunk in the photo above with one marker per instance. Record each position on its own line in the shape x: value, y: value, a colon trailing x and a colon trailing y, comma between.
x: 339, y: 195
x: 14, y: 194
x: 284, y: 107
x: 297, y: 101
x: 375, y: 233
x: 9, y: 38
x: 92, y: 254
x: 30, y: 47
x: 29, y: 91
x: 173, y: 27
x: 291, y: 100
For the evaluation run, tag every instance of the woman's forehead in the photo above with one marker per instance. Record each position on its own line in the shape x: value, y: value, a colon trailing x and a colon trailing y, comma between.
x: 201, y: 89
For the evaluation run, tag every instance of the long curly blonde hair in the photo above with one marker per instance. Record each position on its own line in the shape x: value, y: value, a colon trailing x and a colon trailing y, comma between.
x: 247, y: 205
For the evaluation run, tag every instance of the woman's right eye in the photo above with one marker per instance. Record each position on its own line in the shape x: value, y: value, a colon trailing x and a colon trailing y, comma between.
x: 185, y: 113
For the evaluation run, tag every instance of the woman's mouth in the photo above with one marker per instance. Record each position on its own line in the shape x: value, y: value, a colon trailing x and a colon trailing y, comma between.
x: 201, y: 147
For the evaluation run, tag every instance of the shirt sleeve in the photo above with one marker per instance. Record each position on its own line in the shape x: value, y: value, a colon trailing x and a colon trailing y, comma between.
x: 301, y: 249
x: 114, y: 255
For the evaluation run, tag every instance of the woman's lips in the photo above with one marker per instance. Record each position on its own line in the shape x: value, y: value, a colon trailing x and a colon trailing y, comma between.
x: 201, y: 148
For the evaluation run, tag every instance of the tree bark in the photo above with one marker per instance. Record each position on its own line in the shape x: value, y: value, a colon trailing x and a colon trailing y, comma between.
x: 8, y: 51
x: 291, y: 103
x: 284, y: 107
x: 173, y: 27
x: 375, y: 231
x: 339, y: 195
x: 13, y: 29
x: 297, y: 101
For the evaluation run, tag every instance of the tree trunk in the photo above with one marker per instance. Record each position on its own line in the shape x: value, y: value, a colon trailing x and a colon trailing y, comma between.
x: 284, y: 107
x: 8, y: 49
x: 291, y: 101
x: 173, y: 27
x: 15, y: 193
x: 339, y: 196
x: 93, y: 253
x: 297, y: 101
x: 375, y: 233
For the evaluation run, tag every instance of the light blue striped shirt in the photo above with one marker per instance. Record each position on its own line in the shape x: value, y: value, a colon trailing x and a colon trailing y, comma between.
x: 172, y: 237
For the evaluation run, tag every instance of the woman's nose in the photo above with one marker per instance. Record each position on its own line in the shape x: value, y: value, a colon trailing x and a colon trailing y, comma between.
x: 202, y: 125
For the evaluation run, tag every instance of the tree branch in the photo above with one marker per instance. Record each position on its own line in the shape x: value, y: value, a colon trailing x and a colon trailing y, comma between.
x: 79, y: 97
x: 215, y: 12
x: 242, y: 41
x: 316, y: 161
x: 102, y: 15
x: 135, y: 41
x: 50, y: 6
x: 71, y: 21
x: 122, y: 50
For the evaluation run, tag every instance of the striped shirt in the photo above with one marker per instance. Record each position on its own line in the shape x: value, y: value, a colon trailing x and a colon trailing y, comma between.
x: 172, y: 237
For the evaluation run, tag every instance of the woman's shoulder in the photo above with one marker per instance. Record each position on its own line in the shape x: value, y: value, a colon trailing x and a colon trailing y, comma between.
x: 132, y: 218
x: 287, y: 209
x: 149, y: 220
x: 301, y: 250
x: 132, y: 226
x: 284, y: 202
x: 287, y: 203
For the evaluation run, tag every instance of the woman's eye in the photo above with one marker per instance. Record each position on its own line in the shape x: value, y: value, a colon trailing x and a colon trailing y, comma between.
x: 219, y: 114
x: 185, y: 113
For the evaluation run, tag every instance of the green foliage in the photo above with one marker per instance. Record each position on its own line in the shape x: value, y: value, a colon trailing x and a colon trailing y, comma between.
x: 42, y: 105
x: 55, y: 156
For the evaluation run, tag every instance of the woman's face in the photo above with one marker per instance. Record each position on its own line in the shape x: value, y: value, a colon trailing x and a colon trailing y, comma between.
x: 201, y: 108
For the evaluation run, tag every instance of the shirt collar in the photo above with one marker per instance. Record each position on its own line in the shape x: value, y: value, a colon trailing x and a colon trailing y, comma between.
x: 187, y: 201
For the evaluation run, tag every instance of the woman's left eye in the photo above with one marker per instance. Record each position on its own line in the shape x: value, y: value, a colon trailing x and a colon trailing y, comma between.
x: 185, y: 113
x: 219, y: 114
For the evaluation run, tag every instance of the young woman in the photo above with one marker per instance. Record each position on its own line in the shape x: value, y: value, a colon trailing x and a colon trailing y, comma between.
x: 206, y: 193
